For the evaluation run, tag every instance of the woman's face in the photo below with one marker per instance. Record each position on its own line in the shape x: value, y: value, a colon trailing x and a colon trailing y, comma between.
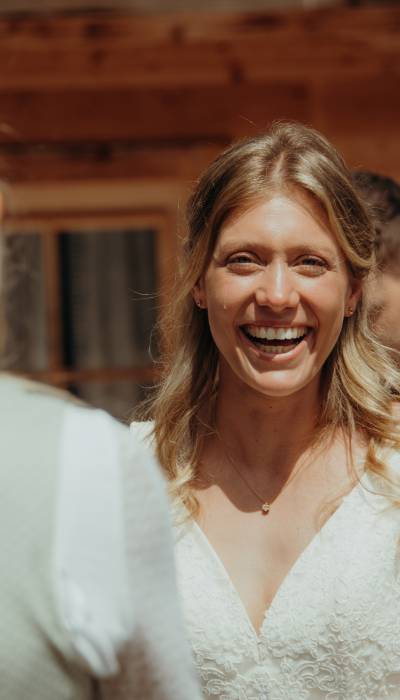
x: 276, y: 291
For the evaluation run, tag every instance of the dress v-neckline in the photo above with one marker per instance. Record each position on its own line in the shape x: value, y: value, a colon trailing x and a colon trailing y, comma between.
x: 304, y: 554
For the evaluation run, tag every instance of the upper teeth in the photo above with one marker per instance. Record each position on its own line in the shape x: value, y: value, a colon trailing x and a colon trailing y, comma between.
x: 268, y: 333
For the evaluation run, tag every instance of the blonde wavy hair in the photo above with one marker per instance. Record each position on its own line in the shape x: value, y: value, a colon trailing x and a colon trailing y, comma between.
x: 358, y: 378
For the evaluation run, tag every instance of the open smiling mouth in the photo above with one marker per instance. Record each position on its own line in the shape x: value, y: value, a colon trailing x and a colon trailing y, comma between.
x: 275, y: 341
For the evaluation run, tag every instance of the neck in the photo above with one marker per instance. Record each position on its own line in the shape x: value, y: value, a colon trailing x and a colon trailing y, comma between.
x: 267, y: 434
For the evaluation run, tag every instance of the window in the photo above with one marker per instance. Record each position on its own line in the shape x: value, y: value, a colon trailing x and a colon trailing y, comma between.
x: 83, y: 295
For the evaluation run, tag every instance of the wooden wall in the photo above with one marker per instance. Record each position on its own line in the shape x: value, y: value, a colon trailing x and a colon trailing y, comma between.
x: 153, y: 6
x: 116, y: 96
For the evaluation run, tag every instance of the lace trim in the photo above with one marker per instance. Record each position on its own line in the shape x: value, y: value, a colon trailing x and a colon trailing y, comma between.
x: 333, y: 629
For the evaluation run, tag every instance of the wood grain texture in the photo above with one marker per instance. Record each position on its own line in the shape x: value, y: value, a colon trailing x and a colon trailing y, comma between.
x: 123, y: 95
x: 69, y: 162
x: 144, y: 115
x: 37, y: 6
x: 186, y: 49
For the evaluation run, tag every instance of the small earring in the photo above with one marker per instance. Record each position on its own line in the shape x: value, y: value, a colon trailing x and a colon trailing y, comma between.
x: 198, y: 303
x: 350, y: 311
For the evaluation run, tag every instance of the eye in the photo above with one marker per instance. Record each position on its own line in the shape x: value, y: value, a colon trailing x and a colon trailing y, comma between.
x: 239, y: 258
x: 312, y: 265
x: 242, y: 263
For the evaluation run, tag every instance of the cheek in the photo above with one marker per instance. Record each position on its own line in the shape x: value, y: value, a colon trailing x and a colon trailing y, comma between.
x: 336, y: 309
x: 333, y: 297
x: 221, y: 321
x: 224, y: 309
x: 336, y: 318
x: 331, y: 312
x: 226, y: 297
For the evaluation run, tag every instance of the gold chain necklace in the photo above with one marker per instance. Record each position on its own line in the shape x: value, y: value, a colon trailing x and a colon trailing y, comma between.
x: 265, y: 505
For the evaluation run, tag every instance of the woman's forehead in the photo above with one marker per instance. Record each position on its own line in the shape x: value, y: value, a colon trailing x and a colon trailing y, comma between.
x: 289, y: 216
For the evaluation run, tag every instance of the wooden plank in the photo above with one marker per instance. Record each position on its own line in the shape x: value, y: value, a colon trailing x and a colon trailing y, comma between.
x: 92, y: 30
x: 113, y: 68
x: 188, y: 49
x: 87, y: 221
x: 359, y: 108
x: 140, y: 5
x: 138, y: 30
x: 103, y: 161
x: 140, y: 115
x: 362, y: 120
x: 185, y: 66
x: 99, y: 197
x: 379, y: 153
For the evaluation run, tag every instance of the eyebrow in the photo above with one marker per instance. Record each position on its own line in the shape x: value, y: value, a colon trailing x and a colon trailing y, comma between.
x: 300, y: 249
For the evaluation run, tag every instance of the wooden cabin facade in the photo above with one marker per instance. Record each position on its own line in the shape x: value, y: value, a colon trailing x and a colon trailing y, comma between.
x: 107, y: 119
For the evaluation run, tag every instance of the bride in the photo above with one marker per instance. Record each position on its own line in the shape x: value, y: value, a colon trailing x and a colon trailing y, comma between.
x: 274, y: 423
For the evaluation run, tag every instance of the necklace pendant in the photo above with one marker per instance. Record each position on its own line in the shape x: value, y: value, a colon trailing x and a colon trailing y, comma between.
x: 265, y: 508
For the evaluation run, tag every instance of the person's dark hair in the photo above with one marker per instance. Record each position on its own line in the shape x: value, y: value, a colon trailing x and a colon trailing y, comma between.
x: 382, y: 197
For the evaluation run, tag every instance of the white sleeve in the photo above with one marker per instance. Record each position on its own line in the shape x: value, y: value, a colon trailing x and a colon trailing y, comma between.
x: 114, y: 563
x: 95, y: 603
x: 158, y: 664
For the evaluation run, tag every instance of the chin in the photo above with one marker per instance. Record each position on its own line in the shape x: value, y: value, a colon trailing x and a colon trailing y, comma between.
x: 278, y: 389
x: 282, y: 392
x: 282, y: 384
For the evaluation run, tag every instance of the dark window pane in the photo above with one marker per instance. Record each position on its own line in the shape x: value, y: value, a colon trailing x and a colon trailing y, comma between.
x: 108, y: 291
x: 24, y: 299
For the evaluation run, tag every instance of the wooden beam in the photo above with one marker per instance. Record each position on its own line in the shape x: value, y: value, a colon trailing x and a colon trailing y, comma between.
x: 133, y: 89
x: 379, y: 153
x: 361, y: 108
x: 123, y: 50
x: 54, y: 199
x: 144, y: 6
x: 106, y: 161
x: 148, y: 115
x: 137, y: 30
x: 362, y: 119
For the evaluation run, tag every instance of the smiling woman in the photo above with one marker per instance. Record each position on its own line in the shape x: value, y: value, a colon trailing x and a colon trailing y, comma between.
x: 275, y: 425
x: 276, y: 290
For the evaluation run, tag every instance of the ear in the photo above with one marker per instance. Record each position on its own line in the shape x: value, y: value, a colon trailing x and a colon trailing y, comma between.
x: 199, y: 295
x: 353, y: 297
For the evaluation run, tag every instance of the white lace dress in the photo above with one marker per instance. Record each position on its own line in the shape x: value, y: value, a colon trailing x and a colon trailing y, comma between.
x: 333, y: 629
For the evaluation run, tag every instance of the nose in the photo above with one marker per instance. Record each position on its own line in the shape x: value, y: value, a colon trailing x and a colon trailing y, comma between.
x: 276, y: 288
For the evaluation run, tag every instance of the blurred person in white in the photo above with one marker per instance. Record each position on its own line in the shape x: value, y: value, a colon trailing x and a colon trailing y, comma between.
x: 87, y: 588
x: 382, y: 195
